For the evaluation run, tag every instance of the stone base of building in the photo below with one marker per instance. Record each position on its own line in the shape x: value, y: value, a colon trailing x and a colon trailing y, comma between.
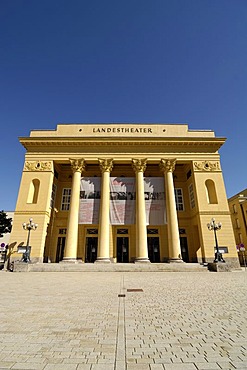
x: 230, y: 264
x: 103, y: 260
x: 141, y: 260
x: 175, y: 260
x: 71, y: 260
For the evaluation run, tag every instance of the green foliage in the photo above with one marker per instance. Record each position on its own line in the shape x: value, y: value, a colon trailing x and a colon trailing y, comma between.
x: 5, y: 224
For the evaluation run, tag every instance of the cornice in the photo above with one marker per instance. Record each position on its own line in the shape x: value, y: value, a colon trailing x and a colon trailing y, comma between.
x: 29, y: 142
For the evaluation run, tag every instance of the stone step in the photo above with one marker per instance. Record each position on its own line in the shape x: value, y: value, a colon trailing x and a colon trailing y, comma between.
x: 111, y: 267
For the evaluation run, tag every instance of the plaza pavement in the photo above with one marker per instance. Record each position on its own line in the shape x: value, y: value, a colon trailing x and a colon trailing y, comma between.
x: 123, y: 320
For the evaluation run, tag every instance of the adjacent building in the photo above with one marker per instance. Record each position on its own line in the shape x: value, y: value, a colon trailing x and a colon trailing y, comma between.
x: 238, y: 209
x: 122, y: 193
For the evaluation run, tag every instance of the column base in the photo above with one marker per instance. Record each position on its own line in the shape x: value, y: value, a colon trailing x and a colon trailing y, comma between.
x: 70, y: 260
x: 175, y: 260
x: 141, y: 260
x: 102, y: 260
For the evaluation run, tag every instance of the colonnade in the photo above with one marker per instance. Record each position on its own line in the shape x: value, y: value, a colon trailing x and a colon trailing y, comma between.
x: 167, y: 167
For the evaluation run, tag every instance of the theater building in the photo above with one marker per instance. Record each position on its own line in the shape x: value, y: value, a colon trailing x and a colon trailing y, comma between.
x: 122, y: 193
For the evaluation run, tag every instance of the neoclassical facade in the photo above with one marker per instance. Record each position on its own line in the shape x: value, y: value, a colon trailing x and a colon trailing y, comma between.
x: 123, y: 193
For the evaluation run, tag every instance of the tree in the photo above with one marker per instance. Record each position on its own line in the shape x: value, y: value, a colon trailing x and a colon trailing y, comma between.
x: 5, y: 224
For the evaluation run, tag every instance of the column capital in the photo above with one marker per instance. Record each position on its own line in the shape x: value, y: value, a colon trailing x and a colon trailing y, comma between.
x: 139, y: 165
x: 167, y: 165
x: 77, y: 165
x: 106, y: 165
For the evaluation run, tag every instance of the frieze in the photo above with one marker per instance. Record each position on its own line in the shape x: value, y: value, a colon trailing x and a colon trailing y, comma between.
x: 38, y: 166
x: 206, y: 166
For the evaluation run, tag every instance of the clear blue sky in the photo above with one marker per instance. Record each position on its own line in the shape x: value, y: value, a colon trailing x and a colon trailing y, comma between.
x: 161, y: 61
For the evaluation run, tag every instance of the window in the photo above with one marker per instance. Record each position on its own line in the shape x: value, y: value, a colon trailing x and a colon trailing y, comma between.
x: 66, y: 199
x: 191, y: 196
x: 92, y: 231
x: 62, y: 231
x: 53, y: 195
x: 179, y: 199
x: 122, y: 231
x: 234, y: 208
x: 153, y: 231
x: 237, y: 223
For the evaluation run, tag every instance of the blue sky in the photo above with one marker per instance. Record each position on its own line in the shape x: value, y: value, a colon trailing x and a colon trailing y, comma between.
x: 147, y: 61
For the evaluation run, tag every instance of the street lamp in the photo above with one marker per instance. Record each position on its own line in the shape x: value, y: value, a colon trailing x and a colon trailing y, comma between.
x: 215, y: 227
x: 30, y: 226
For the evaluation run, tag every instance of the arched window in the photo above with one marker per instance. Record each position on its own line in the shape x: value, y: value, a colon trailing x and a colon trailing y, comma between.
x: 33, y: 191
x: 211, y: 192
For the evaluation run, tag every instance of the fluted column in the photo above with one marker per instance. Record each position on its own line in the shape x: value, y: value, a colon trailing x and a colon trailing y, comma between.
x: 139, y: 166
x: 167, y: 166
x: 103, y: 254
x: 70, y: 253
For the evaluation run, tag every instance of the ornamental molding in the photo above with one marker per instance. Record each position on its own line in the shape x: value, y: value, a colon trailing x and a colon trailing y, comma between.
x: 106, y: 165
x: 77, y: 165
x: 206, y: 166
x: 167, y: 165
x: 37, y: 166
x: 139, y: 165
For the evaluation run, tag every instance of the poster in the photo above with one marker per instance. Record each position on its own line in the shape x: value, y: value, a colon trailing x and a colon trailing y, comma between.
x: 89, y: 200
x: 122, y: 200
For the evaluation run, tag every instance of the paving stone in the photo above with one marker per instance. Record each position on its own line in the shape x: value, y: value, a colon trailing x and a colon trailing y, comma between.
x: 75, y: 320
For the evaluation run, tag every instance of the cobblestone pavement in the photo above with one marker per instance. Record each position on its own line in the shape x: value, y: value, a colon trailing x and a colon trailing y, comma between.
x: 123, y: 321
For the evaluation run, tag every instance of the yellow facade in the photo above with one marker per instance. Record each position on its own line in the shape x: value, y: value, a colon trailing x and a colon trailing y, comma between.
x: 186, y: 160
x: 238, y: 209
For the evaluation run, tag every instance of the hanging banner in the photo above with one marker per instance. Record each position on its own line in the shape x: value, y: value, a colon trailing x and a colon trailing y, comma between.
x: 122, y: 200
x: 89, y: 200
x: 123, y: 196
x: 155, y: 204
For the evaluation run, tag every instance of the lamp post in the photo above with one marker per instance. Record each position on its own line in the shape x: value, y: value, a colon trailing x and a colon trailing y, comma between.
x: 215, y: 227
x: 30, y: 226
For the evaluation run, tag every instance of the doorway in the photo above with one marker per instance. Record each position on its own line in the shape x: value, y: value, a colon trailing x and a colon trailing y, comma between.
x: 154, y: 249
x: 123, y: 249
x: 60, y: 248
x: 184, y: 248
x: 91, y: 249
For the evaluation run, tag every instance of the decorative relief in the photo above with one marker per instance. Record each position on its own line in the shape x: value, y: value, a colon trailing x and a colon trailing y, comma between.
x: 206, y: 166
x: 38, y: 166
x: 139, y: 165
x: 167, y: 165
x: 78, y: 165
x: 106, y: 165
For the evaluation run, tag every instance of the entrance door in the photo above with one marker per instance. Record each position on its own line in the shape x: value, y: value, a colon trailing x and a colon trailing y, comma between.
x: 91, y: 249
x: 184, y: 248
x: 60, y: 248
x: 154, y: 249
x: 123, y: 249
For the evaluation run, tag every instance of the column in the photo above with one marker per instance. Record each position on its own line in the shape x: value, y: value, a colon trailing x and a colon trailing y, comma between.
x: 103, y: 254
x: 70, y: 253
x: 167, y: 166
x: 139, y: 166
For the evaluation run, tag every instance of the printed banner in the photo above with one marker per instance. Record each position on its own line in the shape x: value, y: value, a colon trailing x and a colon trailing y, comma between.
x: 155, y: 200
x: 122, y: 200
x: 89, y: 200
